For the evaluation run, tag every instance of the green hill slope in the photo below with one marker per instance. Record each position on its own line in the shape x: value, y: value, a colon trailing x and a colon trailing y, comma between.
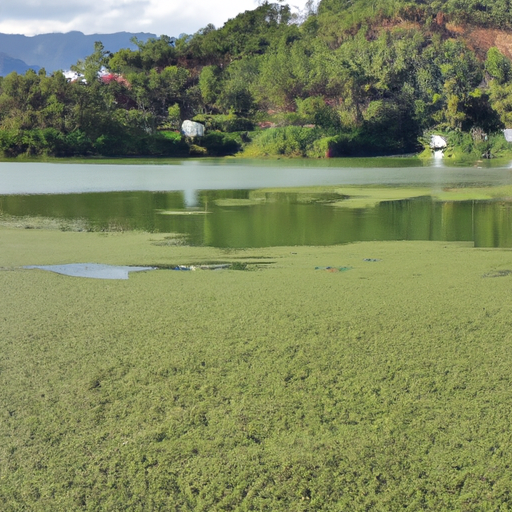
x: 354, y: 78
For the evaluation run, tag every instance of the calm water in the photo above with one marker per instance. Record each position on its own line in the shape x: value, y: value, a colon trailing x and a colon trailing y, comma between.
x: 219, y: 202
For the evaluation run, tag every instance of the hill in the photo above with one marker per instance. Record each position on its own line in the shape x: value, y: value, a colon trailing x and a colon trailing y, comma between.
x: 336, y: 18
x: 354, y: 78
x: 8, y: 65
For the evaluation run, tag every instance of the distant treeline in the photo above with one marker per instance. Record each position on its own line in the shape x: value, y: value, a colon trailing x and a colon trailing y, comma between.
x: 346, y: 78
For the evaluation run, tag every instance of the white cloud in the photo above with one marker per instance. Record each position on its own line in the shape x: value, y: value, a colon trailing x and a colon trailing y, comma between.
x: 171, y: 17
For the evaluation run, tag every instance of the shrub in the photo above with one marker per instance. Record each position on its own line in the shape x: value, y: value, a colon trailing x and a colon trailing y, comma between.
x: 53, y: 142
x: 195, y: 150
x: 172, y: 135
x: 499, y: 144
x: 288, y: 141
x: 78, y: 143
x: 48, y: 141
x: 461, y: 141
x: 160, y: 144
x: 326, y: 147
x: 220, y: 144
x: 11, y: 142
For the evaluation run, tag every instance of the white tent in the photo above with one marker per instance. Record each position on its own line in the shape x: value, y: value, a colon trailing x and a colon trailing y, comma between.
x: 192, y: 129
x: 437, y: 142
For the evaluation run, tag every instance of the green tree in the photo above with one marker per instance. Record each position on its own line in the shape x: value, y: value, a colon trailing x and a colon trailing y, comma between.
x: 501, y: 101
x: 498, y: 66
x: 285, y: 75
x: 91, y: 66
x: 209, y: 84
x: 237, y: 86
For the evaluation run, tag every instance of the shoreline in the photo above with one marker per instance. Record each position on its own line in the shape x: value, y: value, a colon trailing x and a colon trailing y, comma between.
x: 419, y: 158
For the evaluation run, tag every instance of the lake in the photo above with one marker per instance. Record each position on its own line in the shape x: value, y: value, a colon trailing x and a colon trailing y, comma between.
x: 243, y: 203
x: 357, y: 374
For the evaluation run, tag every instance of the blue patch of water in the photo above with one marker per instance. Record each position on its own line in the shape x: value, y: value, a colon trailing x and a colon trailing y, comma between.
x: 92, y: 270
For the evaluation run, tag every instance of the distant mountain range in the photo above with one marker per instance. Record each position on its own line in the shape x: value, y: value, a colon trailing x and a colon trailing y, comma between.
x: 57, y: 51
x: 8, y: 65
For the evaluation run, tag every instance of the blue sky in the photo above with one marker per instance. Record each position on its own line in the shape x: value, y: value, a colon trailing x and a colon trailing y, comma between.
x: 170, y: 17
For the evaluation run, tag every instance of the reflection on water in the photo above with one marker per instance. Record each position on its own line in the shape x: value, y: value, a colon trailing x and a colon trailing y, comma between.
x: 228, y: 203
x: 438, y: 158
x: 190, y: 198
x: 241, y: 218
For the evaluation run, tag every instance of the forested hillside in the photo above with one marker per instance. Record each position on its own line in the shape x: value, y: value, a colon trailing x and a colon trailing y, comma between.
x: 352, y: 77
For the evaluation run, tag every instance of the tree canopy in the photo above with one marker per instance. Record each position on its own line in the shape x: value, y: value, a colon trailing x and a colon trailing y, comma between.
x: 345, y: 68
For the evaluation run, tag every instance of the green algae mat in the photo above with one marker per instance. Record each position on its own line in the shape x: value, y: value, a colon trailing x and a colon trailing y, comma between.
x: 280, y: 387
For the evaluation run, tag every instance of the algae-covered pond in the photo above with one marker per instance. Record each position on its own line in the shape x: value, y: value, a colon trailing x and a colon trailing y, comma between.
x: 307, y: 375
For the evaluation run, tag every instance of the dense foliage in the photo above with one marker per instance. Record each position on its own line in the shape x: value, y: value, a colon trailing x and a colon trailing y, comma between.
x: 371, y: 77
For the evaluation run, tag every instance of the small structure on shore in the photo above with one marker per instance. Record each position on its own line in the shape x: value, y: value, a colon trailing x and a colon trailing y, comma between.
x: 437, y: 142
x: 508, y: 134
x: 437, y: 145
x: 192, y: 129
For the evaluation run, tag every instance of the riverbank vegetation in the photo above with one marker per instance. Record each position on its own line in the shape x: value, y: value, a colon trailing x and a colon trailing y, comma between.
x: 287, y: 386
x: 340, y: 79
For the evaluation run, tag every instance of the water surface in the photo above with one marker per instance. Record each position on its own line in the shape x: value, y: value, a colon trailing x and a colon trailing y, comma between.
x: 238, y: 203
x: 208, y: 174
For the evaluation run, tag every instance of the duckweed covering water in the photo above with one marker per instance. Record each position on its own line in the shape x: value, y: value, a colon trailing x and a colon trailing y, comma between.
x: 384, y: 388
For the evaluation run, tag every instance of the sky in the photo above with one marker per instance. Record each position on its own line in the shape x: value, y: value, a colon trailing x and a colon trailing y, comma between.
x: 169, y: 17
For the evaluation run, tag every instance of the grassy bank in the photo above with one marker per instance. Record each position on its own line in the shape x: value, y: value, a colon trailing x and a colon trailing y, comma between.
x: 283, y: 387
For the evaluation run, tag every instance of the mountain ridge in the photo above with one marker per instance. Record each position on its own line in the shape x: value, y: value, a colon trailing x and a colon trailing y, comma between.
x: 58, y: 51
x: 9, y: 64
